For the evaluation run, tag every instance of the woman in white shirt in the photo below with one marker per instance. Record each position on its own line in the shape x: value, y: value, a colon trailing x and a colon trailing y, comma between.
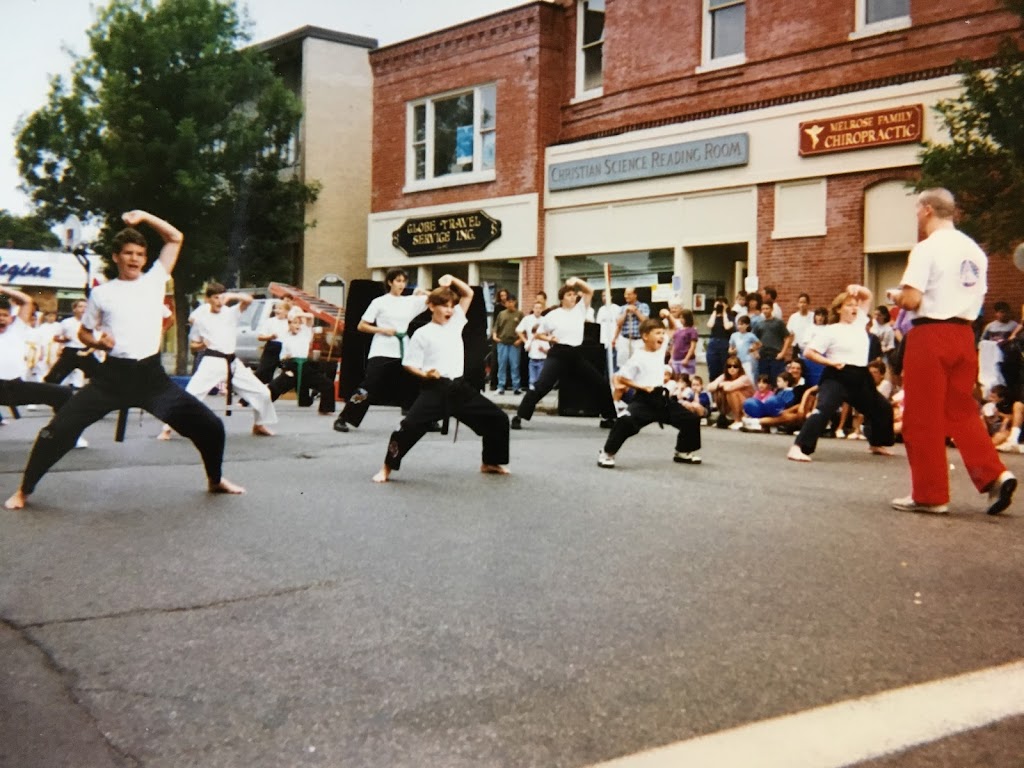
x: 842, y: 347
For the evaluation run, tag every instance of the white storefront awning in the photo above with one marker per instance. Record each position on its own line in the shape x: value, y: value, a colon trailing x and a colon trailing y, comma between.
x: 46, y: 269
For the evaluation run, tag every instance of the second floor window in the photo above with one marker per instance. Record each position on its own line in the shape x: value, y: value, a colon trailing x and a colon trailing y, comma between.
x: 590, y: 50
x: 727, y: 29
x: 452, y: 136
x: 877, y: 11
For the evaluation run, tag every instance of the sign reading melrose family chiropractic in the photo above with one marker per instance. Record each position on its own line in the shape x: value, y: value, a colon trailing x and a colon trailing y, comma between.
x: 671, y: 160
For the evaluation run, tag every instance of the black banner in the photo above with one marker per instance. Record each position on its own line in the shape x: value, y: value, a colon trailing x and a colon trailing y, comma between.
x: 451, y: 233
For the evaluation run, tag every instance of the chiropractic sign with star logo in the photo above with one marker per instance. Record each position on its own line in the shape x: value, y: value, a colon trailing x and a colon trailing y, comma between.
x: 865, y: 130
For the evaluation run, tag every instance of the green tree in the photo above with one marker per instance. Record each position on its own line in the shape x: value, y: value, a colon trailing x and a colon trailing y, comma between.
x: 983, y: 161
x: 26, y: 232
x: 169, y: 112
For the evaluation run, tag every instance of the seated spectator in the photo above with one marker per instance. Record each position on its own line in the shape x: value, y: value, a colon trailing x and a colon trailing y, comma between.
x: 1003, y: 417
x: 729, y: 391
x: 700, y: 396
x: 767, y: 402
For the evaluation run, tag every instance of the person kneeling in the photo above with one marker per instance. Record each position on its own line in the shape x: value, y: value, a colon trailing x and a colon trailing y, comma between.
x: 644, y: 373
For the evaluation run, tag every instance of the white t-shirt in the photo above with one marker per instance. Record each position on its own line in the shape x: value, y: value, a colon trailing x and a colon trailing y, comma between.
x: 132, y: 311
x: 645, y: 368
x: 219, y: 330
x: 951, y: 272
x: 396, y: 312
x: 277, y: 326
x: 296, y: 344
x: 536, y: 349
x: 69, y: 330
x: 12, y: 349
x: 566, y: 325
x: 802, y: 328
x: 844, y: 342
x: 608, y: 319
x: 439, y: 346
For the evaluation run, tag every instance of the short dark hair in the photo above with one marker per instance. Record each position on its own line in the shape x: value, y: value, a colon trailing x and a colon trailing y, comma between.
x: 1001, y: 306
x: 394, y: 272
x: 214, y: 289
x: 564, y: 290
x: 510, y: 297
x: 878, y: 364
x: 755, y: 298
x: 442, y: 296
x: 787, y: 377
x: 650, y: 324
x: 6, y: 303
x: 765, y: 378
x: 804, y: 296
x: 128, y: 236
x: 771, y: 292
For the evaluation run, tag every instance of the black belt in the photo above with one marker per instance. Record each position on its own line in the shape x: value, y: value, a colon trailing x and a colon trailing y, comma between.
x: 930, y: 320
x: 230, y: 358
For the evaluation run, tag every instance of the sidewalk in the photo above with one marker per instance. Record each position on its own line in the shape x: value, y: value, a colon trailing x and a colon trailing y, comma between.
x: 509, y: 402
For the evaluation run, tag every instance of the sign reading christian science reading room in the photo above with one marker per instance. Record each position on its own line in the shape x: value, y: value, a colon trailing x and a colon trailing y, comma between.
x: 671, y: 160
x: 451, y: 233
x: 881, y: 128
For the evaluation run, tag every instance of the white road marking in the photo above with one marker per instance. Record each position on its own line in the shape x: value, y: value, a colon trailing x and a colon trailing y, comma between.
x: 852, y: 731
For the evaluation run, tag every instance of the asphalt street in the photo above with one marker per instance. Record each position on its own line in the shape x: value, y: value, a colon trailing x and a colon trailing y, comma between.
x: 563, y: 616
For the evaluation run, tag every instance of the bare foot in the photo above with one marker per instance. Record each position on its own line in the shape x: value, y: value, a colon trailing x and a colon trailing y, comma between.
x: 17, y: 501
x: 795, y: 454
x: 226, y: 486
x: 881, y: 450
x: 493, y: 469
x: 165, y: 434
x: 383, y: 475
x: 259, y: 429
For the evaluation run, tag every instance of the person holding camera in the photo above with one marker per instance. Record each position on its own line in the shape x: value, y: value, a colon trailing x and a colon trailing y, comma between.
x: 721, y: 324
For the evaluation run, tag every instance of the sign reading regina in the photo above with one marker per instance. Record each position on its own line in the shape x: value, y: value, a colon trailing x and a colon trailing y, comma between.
x: 451, y: 233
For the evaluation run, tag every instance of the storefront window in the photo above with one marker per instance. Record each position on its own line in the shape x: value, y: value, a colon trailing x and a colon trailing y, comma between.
x: 452, y: 137
x: 643, y: 270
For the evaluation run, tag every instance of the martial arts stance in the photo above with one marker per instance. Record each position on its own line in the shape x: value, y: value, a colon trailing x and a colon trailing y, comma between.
x: 843, y: 347
x: 645, y: 374
x: 563, y: 329
x: 125, y: 318
x: 945, y: 284
x: 74, y: 355
x: 14, y: 329
x: 387, y: 318
x: 216, y: 328
x: 436, y: 355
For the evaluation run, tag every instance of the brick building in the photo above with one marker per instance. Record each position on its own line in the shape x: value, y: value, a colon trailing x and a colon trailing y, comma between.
x: 696, y: 146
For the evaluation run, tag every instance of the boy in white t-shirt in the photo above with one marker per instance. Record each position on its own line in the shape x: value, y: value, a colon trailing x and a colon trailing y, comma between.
x: 436, y: 355
x: 644, y: 373
x: 536, y: 349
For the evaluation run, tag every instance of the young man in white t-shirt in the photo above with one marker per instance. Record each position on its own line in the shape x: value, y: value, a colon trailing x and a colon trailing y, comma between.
x: 74, y: 355
x: 387, y: 319
x: 644, y: 373
x: 124, y: 317
x: 563, y: 329
x: 217, y: 332
x: 436, y: 355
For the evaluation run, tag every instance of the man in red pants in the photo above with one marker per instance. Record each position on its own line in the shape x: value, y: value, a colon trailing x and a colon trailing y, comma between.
x: 945, y: 284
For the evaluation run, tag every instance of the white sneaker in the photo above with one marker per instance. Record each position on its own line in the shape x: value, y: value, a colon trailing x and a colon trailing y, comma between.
x: 621, y: 408
x: 1000, y: 493
x: 82, y: 443
x: 840, y: 434
x: 907, y: 504
x: 605, y: 460
x: 736, y: 426
x: 751, y: 424
x: 686, y: 458
x: 1008, y: 447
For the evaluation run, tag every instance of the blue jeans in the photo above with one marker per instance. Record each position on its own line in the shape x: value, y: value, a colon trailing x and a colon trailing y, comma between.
x: 508, y: 357
x: 536, y: 366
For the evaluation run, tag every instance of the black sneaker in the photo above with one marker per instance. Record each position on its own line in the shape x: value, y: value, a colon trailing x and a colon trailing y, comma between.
x: 1001, y: 492
x: 516, y: 423
x: 340, y: 425
x: 606, y: 423
x: 517, y: 392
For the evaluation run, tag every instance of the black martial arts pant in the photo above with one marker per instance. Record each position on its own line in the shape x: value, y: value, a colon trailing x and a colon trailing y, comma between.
x: 441, y: 398
x: 851, y: 384
x: 17, y: 392
x: 121, y: 384
x: 385, y: 381
x: 563, y: 361
x: 269, y: 360
x: 68, y: 361
x: 650, y: 407
x: 314, y: 376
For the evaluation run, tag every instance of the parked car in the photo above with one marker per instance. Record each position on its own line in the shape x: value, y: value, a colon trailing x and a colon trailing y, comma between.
x: 247, y: 347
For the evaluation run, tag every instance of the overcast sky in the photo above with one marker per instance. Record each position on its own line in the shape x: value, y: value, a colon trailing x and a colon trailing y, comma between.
x: 39, y: 32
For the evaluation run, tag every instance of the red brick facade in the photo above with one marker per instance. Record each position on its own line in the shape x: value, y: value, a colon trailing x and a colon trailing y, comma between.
x: 651, y: 57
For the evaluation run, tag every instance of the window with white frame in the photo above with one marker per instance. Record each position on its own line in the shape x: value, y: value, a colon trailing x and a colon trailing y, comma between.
x: 725, y: 33
x: 590, y: 47
x: 452, y: 137
x: 877, y: 16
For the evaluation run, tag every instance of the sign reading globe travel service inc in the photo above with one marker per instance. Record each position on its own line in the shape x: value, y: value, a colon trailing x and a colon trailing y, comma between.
x: 671, y: 160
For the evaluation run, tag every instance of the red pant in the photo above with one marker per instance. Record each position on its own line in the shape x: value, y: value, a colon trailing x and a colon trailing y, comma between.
x: 940, y: 368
